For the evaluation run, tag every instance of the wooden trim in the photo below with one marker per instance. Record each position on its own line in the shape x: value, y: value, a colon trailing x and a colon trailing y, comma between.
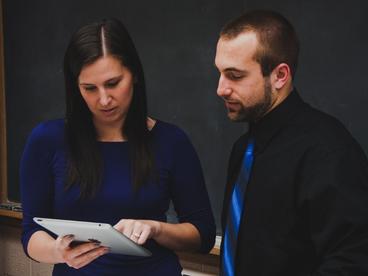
x: 211, y: 259
x: 205, y: 259
x: 3, y: 159
x: 10, y: 214
x: 10, y: 220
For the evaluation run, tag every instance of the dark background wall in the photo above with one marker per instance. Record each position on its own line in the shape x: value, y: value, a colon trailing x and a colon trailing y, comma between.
x: 176, y: 41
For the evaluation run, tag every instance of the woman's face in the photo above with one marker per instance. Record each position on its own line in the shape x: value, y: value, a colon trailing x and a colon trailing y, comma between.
x: 107, y: 88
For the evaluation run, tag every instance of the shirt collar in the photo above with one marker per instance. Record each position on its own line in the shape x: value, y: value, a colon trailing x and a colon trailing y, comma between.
x: 267, y: 127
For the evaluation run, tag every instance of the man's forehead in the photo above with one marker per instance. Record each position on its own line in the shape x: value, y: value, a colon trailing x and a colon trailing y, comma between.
x: 248, y: 38
x: 233, y: 52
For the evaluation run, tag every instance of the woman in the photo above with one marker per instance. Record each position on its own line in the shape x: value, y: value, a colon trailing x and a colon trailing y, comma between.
x: 109, y: 162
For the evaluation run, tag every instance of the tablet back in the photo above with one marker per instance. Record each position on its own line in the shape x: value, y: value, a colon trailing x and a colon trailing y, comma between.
x: 94, y: 232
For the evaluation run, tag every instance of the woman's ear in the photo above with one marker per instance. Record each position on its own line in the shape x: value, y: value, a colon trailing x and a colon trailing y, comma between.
x: 280, y: 75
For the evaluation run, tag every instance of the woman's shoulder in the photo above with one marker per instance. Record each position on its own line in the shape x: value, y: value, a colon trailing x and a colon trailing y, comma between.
x: 171, y: 136
x: 51, y: 131
x: 168, y: 130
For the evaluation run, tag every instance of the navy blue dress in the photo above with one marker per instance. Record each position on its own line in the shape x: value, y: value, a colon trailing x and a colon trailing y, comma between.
x: 43, y: 170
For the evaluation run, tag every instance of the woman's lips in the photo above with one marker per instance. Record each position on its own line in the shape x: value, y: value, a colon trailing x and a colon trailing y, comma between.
x: 109, y: 111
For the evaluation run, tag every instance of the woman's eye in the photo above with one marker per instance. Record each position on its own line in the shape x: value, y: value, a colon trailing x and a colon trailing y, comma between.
x: 112, y: 84
x: 90, y: 88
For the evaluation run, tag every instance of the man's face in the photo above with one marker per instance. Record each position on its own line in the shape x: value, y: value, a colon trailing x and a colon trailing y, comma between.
x: 247, y: 94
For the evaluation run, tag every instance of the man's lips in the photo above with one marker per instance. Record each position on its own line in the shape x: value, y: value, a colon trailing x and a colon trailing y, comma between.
x: 231, y: 104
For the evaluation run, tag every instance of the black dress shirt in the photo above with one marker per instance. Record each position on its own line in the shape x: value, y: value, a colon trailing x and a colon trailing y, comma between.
x: 306, y: 205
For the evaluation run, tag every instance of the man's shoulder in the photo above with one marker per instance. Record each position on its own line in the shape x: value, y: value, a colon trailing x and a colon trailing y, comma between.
x: 321, y: 128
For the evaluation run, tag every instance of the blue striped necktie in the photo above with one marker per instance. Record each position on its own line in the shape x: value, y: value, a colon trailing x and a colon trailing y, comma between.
x: 236, y: 208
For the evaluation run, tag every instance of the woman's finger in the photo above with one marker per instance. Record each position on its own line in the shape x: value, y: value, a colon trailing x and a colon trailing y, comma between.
x: 144, y: 235
x: 138, y: 228
x: 125, y: 226
x: 88, y: 257
x: 64, y: 241
x: 80, y: 250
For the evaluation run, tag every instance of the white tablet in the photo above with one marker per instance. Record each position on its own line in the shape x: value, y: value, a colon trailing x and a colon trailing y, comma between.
x: 96, y: 232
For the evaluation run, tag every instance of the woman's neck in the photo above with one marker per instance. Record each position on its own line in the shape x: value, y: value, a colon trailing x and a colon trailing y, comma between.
x: 109, y: 132
x: 114, y: 133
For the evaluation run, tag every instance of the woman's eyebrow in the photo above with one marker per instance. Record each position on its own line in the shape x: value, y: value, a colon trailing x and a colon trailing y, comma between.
x: 114, y: 78
x: 106, y: 81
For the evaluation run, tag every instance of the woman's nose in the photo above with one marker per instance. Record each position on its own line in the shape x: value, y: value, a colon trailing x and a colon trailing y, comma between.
x: 105, y: 98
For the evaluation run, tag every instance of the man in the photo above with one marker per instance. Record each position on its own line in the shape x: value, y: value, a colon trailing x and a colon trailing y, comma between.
x: 304, y: 207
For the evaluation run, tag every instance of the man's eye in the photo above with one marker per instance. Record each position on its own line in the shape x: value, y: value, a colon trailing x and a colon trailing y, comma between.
x: 235, y: 76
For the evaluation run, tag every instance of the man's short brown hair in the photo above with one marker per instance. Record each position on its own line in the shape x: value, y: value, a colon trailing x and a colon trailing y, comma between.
x: 278, y: 42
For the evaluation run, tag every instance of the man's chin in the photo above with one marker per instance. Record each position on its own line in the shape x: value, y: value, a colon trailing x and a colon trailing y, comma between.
x: 236, y: 117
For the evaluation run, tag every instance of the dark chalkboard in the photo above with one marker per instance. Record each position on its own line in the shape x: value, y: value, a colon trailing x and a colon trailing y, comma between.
x: 176, y: 41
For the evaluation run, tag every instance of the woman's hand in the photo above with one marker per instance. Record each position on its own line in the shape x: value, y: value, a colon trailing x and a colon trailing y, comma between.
x: 79, y: 255
x: 139, y: 231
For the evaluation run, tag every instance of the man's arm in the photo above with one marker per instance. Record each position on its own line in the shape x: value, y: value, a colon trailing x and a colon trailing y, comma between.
x: 335, y: 184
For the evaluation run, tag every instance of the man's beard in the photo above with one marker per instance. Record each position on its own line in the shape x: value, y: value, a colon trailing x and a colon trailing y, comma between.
x: 255, y: 112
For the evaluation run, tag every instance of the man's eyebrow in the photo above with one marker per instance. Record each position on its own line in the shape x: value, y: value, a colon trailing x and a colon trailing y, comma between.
x: 233, y: 69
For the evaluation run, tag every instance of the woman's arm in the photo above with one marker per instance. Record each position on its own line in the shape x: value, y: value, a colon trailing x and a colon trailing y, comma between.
x: 37, y: 190
x: 189, y: 194
x: 41, y: 248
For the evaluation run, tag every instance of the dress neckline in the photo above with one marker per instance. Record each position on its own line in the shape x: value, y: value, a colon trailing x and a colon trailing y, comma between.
x: 126, y: 141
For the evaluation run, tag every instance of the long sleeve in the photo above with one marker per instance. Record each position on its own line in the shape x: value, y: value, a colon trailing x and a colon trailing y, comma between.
x: 36, y: 182
x: 189, y: 194
x: 336, y: 189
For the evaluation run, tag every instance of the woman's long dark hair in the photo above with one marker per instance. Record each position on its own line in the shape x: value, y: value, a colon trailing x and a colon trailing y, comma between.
x: 89, y: 43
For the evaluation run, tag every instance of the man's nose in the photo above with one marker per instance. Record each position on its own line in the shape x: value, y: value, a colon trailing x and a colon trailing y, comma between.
x: 223, y: 88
